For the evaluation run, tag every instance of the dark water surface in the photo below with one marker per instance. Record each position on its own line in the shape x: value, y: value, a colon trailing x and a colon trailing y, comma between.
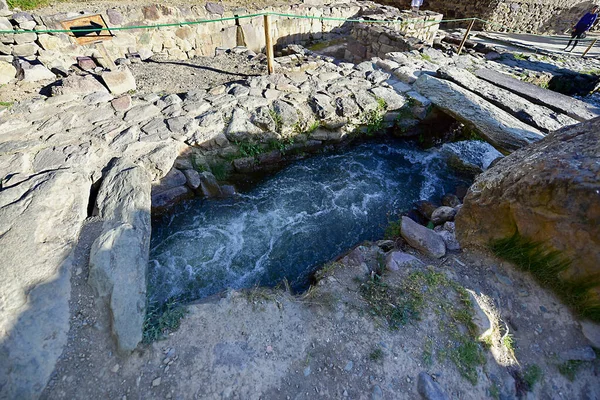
x: 298, y: 219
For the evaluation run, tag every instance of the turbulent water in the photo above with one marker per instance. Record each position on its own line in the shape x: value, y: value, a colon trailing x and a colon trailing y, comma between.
x: 298, y: 219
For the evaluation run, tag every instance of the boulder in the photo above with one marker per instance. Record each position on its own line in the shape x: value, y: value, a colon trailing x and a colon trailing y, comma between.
x: 398, y: 260
x: 169, y: 197
x: 425, y: 240
x: 25, y: 50
x: 193, y: 178
x: 501, y: 129
x: 37, y: 73
x: 78, y: 85
x: 393, y: 100
x: 40, y: 220
x: 547, y: 192
x: 122, y: 104
x: 7, y: 72
x: 450, y: 240
x: 172, y: 180
x: 209, y: 185
x: 428, y: 388
x: 119, y: 256
x: 119, y: 81
x: 532, y: 114
x: 570, y: 106
x: 442, y: 214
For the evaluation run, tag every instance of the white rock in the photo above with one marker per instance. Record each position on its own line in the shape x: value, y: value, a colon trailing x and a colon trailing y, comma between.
x: 7, y: 72
x: 119, y: 81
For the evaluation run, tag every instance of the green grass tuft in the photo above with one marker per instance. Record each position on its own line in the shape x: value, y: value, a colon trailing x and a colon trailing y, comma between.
x: 278, y: 120
x: 249, y: 149
x: 376, y: 355
x: 220, y: 171
x: 161, y: 320
x: 532, y: 375
x: 569, y: 369
x: 27, y: 4
x: 546, y: 266
x: 393, y: 230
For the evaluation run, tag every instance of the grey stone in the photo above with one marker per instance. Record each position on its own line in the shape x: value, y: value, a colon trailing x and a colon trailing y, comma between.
x: 570, y: 106
x: 425, y: 240
x: 180, y: 124
x: 442, y: 214
x: 22, y: 16
x: 321, y: 105
x: 429, y: 389
x: 119, y: 256
x: 240, y: 127
x: 5, y: 24
x: 97, y: 98
x: 156, y: 128
x: 5, y: 50
x: 193, y: 178
x: 78, y: 85
x: 24, y: 38
x: 172, y: 180
x: 579, y: 354
x: 535, y: 115
x: 119, y: 81
x: 215, y: 8
x: 501, y: 129
x: 397, y: 260
x: 114, y: 16
x: 377, y: 76
x: 346, y: 107
x: 592, y: 332
x: 479, y: 317
x: 209, y: 185
x: 170, y: 197
x: 37, y: 73
x: 7, y: 72
x: 365, y: 100
x: 40, y: 219
x: 263, y: 119
x: 393, y: 100
x: 159, y: 161
x: 25, y: 50
x: 287, y: 113
x: 450, y: 240
x: 141, y: 113
x: 122, y: 103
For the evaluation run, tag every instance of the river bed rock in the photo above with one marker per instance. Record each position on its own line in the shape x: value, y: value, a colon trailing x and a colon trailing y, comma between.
x: 425, y: 240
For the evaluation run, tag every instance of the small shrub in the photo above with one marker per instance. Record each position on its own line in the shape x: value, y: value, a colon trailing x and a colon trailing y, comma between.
x: 249, y: 149
x: 313, y: 127
x: 6, y: 103
x: 27, y: 4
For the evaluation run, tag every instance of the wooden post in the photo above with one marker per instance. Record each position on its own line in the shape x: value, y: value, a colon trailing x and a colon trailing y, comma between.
x: 269, y: 44
x: 589, y: 47
x: 462, y: 44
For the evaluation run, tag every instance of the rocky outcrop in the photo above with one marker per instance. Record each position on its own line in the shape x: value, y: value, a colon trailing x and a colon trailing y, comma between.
x: 119, y: 257
x: 501, y: 129
x: 532, y: 114
x: 547, y: 192
x: 558, y: 102
x: 40, y: 219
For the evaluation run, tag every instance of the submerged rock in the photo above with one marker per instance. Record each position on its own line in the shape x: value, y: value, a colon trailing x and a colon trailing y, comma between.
x: 547, y: 192
x: 423, y: 239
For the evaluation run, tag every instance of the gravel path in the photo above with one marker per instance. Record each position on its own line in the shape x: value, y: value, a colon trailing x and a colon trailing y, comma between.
x: 172, y: 76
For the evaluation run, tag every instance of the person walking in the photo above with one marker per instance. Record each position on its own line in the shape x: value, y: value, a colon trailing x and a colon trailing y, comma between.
x: 584, y: 25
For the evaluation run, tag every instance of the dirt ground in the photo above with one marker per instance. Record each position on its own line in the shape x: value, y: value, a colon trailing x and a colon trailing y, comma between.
x: 331, y: 342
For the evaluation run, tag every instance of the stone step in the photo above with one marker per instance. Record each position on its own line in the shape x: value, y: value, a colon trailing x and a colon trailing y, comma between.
x: 558, y: 102
x: 498, y: 127
x: 532, y: 114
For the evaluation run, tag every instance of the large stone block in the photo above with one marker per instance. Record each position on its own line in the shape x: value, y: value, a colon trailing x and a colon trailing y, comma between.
x: 119, y: 81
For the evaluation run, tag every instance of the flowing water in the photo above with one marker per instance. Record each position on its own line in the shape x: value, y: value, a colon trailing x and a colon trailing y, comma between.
x: 294, y: 221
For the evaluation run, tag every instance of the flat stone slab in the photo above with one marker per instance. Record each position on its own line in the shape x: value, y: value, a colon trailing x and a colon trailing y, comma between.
x: 498, y: 127
x: 558, y: 102
x: 532, y: 114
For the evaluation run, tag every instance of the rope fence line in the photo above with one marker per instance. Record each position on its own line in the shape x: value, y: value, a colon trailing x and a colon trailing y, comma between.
x: 311, y: 17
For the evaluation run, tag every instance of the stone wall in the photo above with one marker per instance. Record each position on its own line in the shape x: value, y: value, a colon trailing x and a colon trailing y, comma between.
x: 180, y: 42
x: 534, y: 16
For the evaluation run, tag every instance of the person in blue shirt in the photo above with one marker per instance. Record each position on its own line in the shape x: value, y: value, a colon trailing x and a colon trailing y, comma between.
x: 584, y: 25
